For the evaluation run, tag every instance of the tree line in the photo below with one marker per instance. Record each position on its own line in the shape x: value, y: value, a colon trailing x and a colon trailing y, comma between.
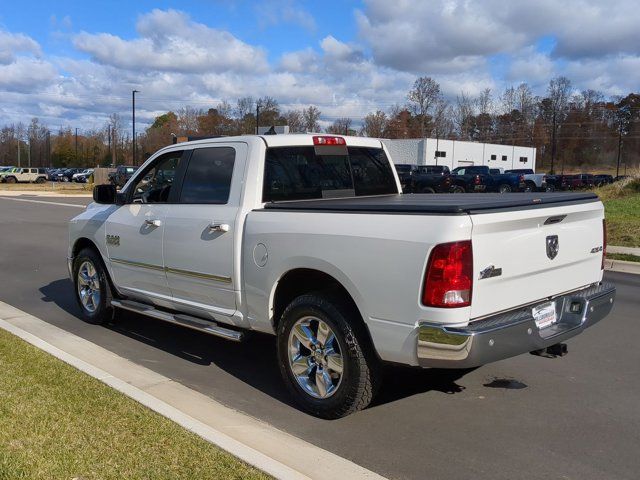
x: 568, y: 128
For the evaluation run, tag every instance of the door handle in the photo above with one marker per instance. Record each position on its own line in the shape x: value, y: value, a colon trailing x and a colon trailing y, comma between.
x: 153, y: 223
x: 218, y: 227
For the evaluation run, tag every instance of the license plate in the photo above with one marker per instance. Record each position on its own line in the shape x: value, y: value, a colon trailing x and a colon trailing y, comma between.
x: 544, y: 315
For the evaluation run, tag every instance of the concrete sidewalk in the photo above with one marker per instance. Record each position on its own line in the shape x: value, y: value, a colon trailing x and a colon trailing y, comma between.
x: 624, y: 250
x: 257, y: 443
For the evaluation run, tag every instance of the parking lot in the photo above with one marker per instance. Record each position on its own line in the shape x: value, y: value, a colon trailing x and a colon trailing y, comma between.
x: 526, y: 417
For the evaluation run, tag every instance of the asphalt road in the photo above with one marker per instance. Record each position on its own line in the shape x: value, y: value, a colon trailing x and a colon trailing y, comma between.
x: 577, y: 417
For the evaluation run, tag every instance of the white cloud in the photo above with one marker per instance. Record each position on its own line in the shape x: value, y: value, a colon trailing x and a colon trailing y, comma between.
x: 170, y: 41
x: 455, y: 35
x: 12, y: 43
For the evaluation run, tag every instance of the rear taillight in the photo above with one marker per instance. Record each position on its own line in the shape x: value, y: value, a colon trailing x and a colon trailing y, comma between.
x: 521, y: 178
x: 604, y: 242
x: 449, y: 276
x: 476, y: 180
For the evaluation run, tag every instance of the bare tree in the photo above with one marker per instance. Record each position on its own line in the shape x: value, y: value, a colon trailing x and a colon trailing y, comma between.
x: 269, y: 111
x: 341, y: 126
x: 375, y: 124
x: 244, y: 106
x: 188, y: 120
x: 508, y: 100
x: 311, y: 115
x: 485, y: 102
x: 463, y: 115
x: 558, y: 92
x: 525, y: 101
x: 422, y: 97
x: 295, y: 120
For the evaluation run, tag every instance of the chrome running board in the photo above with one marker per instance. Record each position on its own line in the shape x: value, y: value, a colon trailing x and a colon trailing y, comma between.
x: 181, y: 319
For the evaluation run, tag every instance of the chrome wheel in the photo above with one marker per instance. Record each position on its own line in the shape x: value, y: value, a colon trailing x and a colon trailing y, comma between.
x: 88, y: 286
x: 315, y: 358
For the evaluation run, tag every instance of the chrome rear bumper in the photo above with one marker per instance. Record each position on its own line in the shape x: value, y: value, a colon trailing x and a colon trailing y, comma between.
x: 512, y: 333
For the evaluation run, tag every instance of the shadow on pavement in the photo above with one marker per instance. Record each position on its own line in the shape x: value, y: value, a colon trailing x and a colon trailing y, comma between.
x: 254, y: 361
x: 60, y: 292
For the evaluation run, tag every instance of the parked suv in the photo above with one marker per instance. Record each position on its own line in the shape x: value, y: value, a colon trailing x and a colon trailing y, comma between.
x: 15, y: 175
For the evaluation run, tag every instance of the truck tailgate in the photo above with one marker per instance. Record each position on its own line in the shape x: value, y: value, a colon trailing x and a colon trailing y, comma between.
x: 516, y: 243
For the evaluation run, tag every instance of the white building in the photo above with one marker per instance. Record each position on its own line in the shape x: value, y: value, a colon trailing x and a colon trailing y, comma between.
x: 456, y: 153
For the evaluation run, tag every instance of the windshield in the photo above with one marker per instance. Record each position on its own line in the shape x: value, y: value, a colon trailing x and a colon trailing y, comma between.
x: 304, y: 173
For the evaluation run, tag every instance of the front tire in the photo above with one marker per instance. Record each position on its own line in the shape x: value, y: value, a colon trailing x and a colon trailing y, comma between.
x: 92, y: 289
x: 325, y: 358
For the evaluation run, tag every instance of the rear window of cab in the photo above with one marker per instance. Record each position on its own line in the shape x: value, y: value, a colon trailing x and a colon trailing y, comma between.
x: 308, y: 173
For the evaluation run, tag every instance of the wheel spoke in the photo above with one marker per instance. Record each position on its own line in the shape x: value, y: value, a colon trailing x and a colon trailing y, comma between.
x: 334, y: 363
x: 83, y: 278
x: 300, y: 366
x: 95, y: 299
x: 304, y: 335
x: 323, y: 333
x: 323, y: 382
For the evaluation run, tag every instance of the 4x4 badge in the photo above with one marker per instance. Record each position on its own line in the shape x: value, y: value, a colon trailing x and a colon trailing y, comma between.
x: 552, y: 246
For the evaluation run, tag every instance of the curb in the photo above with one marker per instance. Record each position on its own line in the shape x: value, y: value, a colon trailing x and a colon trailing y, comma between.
x: 627, y: 250
x: 273, y: 451
x: 38, y: 193
x: 622, y: 266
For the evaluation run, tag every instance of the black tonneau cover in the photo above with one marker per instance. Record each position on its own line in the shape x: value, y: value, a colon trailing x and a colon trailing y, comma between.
x: 443, y: 203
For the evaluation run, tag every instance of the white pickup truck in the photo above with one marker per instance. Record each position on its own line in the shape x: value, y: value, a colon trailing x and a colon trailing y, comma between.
x: 309, y: 238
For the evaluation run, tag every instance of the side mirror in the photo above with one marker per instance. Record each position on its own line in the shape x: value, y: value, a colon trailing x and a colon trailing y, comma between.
x: 105, y: 194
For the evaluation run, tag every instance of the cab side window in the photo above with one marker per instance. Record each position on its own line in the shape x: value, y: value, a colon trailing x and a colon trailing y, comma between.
x: 208, y: 176
x: 155, y: 184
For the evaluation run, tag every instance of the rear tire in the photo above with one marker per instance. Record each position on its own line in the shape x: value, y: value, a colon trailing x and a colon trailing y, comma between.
x: 428, y: 190
x: 457, y: 189
x: 504, y: 188
x: 40, y: 180
x: 337, y: 373
x: 91, y: 286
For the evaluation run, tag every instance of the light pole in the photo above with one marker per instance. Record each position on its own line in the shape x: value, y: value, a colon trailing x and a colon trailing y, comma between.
x: 133, y: 109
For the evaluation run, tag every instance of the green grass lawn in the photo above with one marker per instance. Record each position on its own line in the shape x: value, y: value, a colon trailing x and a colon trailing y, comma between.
x: 58, y: 423
x: 622, y: 209
x: 623, y: 220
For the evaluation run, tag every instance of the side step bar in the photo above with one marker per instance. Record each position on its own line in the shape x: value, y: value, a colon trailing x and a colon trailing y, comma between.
x: 181, y: 319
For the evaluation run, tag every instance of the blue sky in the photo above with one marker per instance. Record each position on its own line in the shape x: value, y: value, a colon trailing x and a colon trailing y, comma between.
x: 50, y: 23
x: 72, y: 62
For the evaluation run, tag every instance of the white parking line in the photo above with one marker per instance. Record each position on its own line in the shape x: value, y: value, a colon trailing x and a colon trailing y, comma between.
x: 275, y: 452
x: 42, y: 201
